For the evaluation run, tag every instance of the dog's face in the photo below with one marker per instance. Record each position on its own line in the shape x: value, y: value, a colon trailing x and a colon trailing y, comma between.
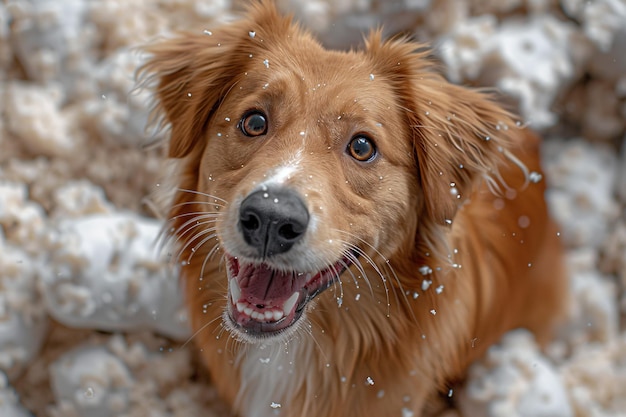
x: 308, y: 153
x: 302, y: 164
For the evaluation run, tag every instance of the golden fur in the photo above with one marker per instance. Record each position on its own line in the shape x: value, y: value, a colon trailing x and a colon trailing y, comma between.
x: 456, y: 245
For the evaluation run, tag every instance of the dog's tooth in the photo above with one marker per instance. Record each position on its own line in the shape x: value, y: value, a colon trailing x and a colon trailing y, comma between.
x: 248, y: 311
x: 269, y: 315
x: 241, y: 307
x: 257, y: 316
x: 277, y: 315
x: 235, y: 291
x: 290, y: 303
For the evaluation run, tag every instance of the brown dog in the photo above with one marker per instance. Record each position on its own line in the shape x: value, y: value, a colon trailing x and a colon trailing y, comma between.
x: 355, y: 230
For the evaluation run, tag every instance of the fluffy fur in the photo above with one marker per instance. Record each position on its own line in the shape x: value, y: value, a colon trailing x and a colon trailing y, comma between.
x: 445, y: 231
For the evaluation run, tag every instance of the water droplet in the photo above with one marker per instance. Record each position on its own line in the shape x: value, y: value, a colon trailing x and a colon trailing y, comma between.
x: 415, y: 295
x: 380, y: 394
x: 275, y: 200
x: 266, y: 62
x: 369, y: 380
x: 450, y: 393
x: 407, y: 413
x: 448, y: 221
x: 357, y: 297
x: 227, y: 119
x: 523, y: 222
x: 426, y: 284
x: 266, y: 195
x: 534, y: 177
x: 439, y: 289
x: 425, y: 270
x: 433, y: 312
x: 252, y: 34
x: 371, y: 77
x: 264, y: 360
x: 339, y: 301
x: 89, y: 392
x: 208, y: 32
x: 302, y: 133
x: 275, y: 405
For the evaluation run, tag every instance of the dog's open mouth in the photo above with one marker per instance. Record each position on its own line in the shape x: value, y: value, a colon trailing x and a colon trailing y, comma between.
x: 264, y: 302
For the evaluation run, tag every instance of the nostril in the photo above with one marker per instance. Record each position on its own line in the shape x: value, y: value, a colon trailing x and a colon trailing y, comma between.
x: 288, y: 232
x: 250, y: 221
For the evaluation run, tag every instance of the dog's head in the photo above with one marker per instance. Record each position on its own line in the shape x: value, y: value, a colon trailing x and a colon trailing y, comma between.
x: 300, y: 163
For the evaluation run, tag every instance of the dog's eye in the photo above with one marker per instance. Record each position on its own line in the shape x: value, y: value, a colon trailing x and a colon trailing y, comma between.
x: 253, y: 123
x: 362, y: 148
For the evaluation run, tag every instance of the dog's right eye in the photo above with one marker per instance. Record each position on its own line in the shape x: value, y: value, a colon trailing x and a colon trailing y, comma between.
x: 253, y: 123
x: 362, y: 148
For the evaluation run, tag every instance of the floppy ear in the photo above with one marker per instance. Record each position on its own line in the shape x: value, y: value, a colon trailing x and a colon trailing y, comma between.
x: 192, y: 72
x: 460, y: 135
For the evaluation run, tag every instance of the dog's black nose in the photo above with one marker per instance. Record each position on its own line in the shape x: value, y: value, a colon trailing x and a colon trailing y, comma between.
x: 272, y: 220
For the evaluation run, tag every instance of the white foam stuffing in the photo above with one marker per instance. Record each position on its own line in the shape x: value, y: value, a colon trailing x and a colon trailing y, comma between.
x: 91, y: 322
x: 104, y: 273
x: 530, y: 58
x: 514, y: 379
x: 9, y: 401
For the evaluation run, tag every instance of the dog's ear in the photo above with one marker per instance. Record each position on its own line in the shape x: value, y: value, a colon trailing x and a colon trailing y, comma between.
x: 460, y: 135
x: 192, y: 72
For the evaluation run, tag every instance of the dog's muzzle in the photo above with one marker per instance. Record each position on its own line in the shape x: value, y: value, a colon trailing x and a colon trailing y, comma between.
x: 265, y: 300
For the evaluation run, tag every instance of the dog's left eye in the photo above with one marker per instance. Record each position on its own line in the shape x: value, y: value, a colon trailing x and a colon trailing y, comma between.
x: 253, y: 123
x: 362, y: 148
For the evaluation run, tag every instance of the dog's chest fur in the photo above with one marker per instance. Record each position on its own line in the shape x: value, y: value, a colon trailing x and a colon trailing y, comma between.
x: 270, y: 376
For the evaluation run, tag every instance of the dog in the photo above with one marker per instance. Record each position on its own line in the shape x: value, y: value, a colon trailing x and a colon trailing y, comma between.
x: 352, y: 230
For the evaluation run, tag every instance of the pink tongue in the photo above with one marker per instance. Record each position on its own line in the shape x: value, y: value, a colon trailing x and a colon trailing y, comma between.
x: 261, y: 285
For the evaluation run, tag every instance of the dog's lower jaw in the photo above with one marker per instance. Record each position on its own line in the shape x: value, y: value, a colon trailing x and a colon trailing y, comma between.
x: 261, y: 338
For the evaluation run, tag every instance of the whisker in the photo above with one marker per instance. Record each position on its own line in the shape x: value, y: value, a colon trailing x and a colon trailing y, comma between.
x: 337, y: 281
x: 194, y: 238
x: 197, y: 222
x: 202, y: 242
x: 166, y: 235
x: 210, y: 231
x: 193, y: 213
x: 198, y: 202
x: 184, y: 190
x: 202, y: 328
x: 355, y: 261
x: 389, y: 268
x: 208, y: 257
